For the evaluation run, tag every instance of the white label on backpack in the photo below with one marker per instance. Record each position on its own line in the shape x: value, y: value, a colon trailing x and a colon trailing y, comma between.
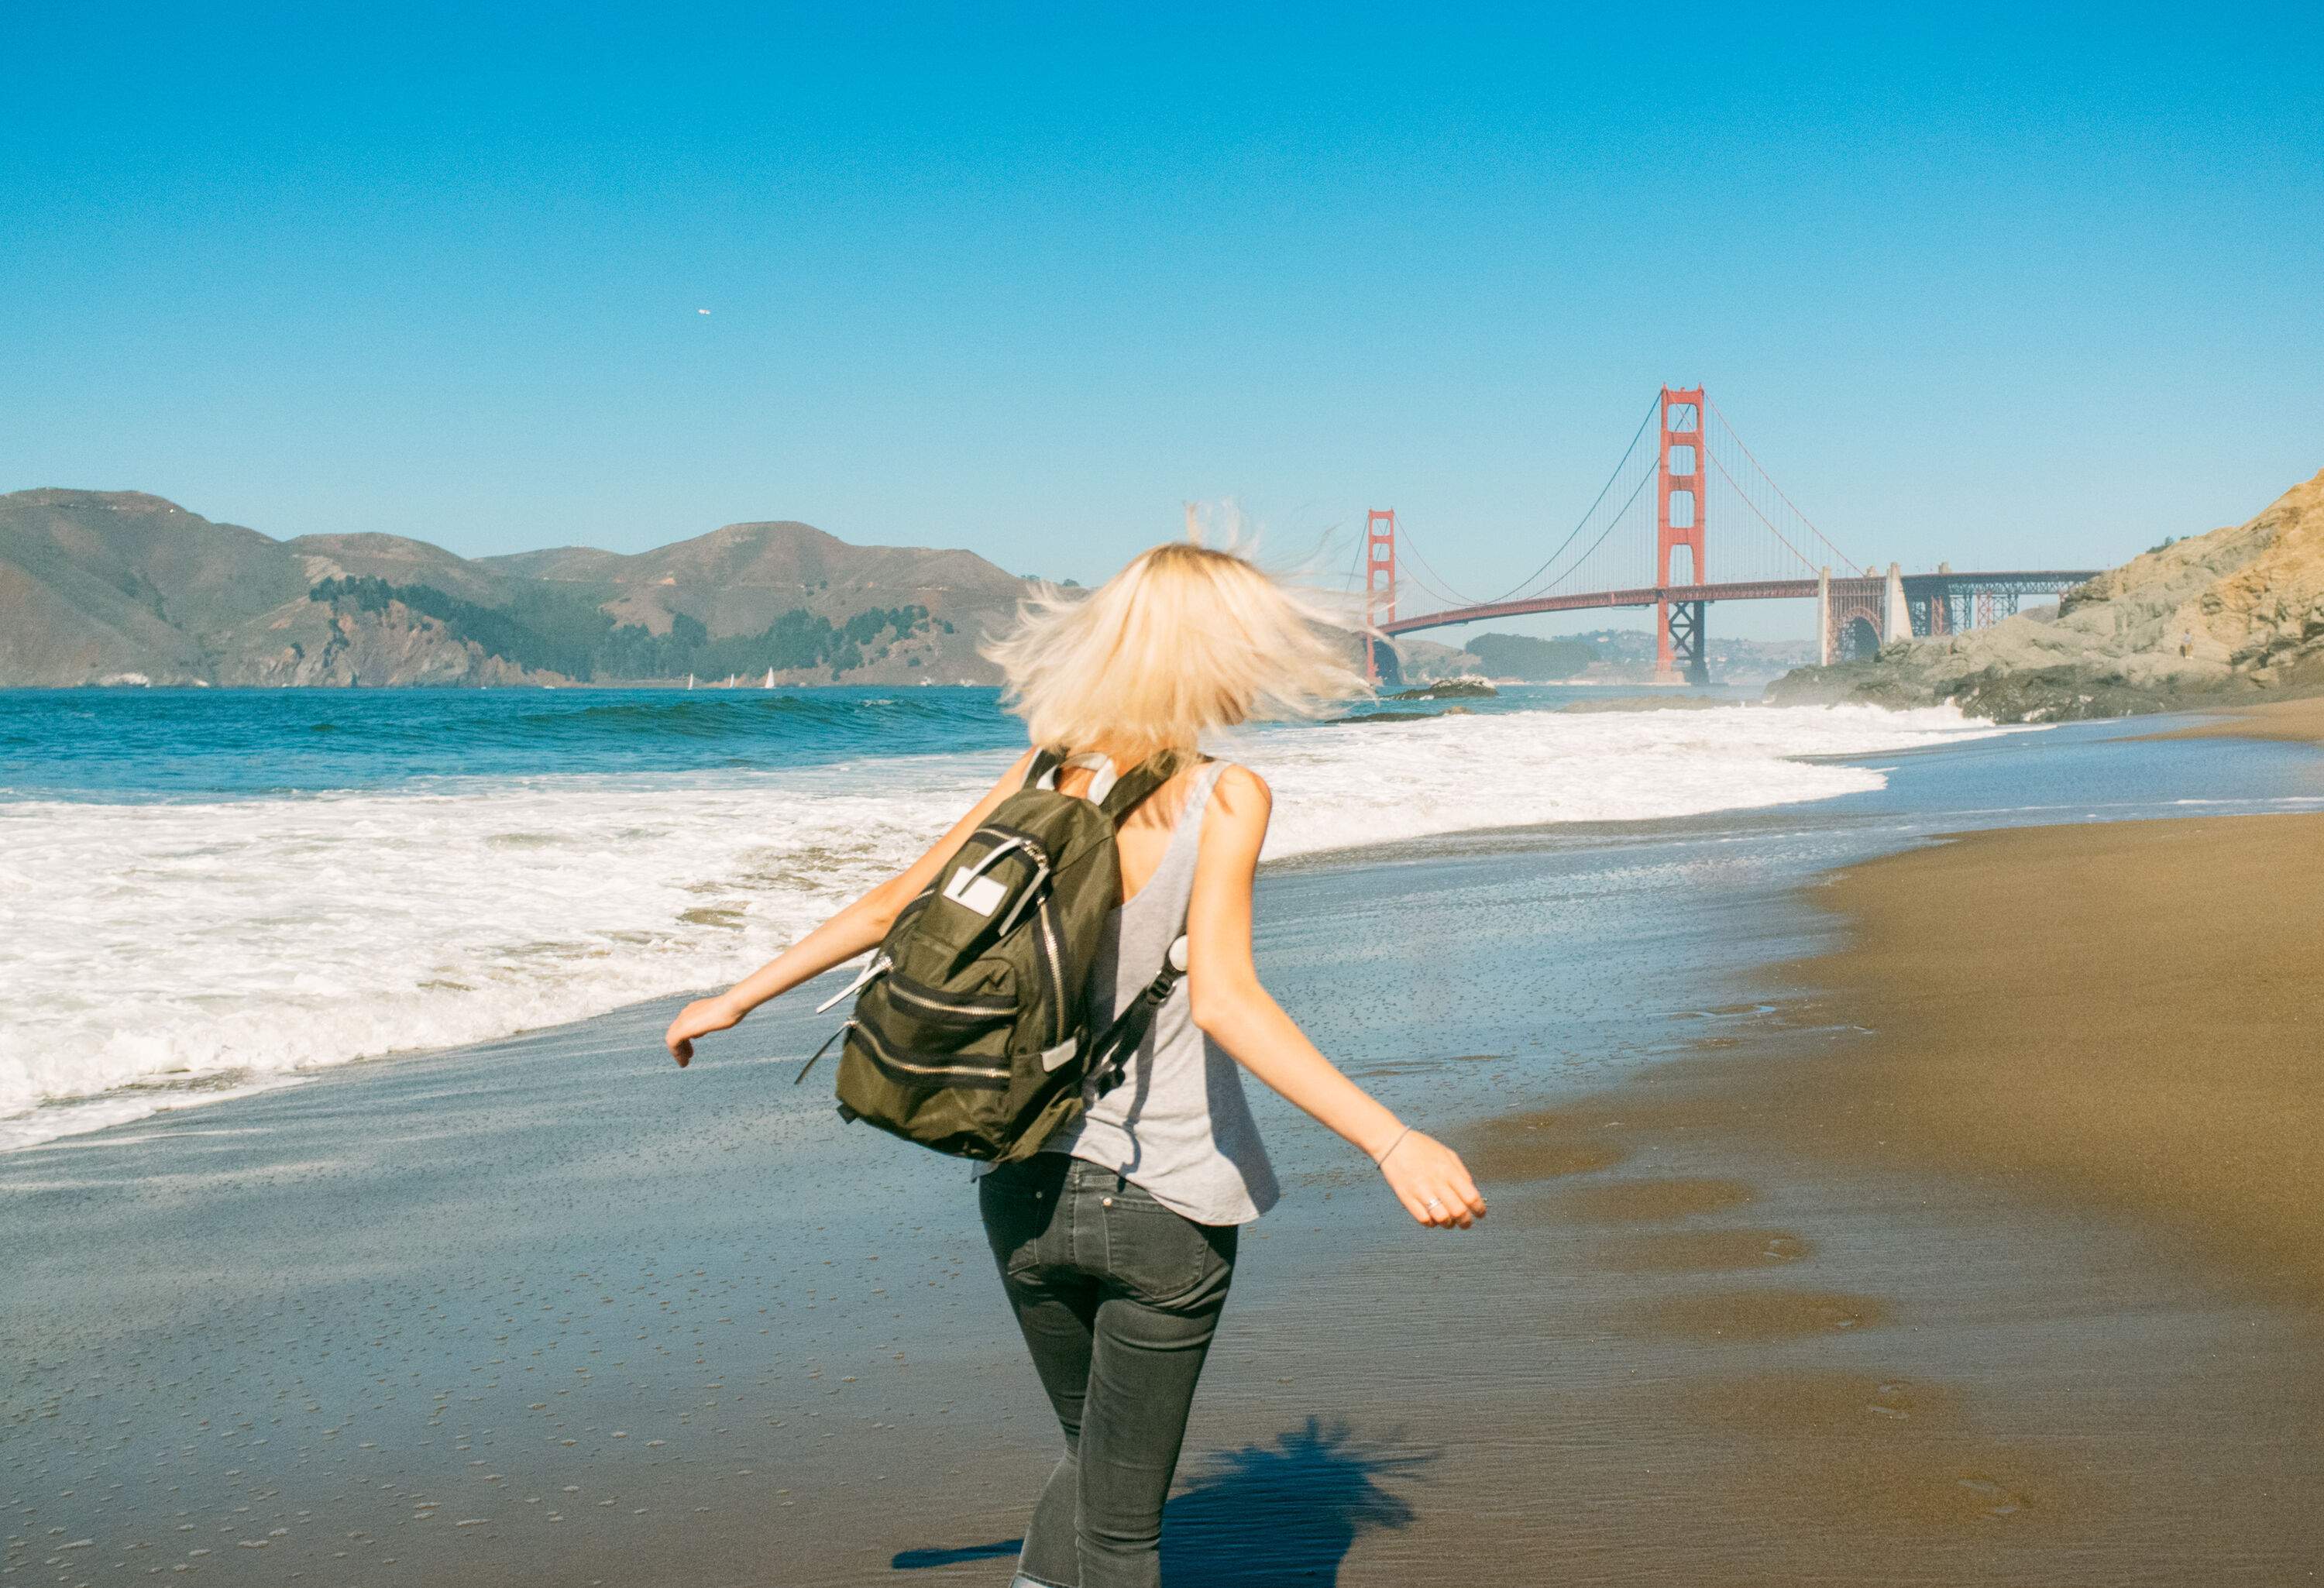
x: 982, y: 894
x: 1062, y: 1052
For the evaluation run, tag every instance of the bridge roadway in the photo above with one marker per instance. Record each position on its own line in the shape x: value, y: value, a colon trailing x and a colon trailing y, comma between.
x: 1918, y: 587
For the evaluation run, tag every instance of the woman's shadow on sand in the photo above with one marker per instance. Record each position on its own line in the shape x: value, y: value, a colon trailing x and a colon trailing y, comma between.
x: 1266, y: 1515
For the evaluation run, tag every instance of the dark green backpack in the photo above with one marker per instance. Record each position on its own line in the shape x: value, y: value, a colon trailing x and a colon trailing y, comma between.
x: 970, y: 1034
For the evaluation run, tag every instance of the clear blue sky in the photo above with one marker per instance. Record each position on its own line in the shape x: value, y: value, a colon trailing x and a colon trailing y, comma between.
x: 1992, y: 288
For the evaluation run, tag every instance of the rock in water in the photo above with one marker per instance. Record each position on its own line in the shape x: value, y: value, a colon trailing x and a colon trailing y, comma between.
x: 1468, y: 687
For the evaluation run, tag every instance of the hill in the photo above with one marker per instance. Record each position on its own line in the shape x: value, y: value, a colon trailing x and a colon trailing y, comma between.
x: 1600, y: 656
x: 119, y: 586
x: 2228, y: 615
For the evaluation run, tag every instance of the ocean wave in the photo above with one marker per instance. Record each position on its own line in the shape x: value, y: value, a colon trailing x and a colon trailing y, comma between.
x: 161, y: 744
x: 164, y: 953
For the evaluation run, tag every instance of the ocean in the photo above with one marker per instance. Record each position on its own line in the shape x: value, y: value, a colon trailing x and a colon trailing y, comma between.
x: 204, y: 893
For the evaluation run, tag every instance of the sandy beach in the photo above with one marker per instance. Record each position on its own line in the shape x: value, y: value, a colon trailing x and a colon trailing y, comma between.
x: 2129, y: 1018
x: 2297, y: 722
x: 1946, y: 1220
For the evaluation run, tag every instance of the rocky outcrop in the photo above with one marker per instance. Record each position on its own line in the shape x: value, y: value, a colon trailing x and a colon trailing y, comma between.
x: 1467, y: 688
x: 2228, y: 615
x: 311, y: 643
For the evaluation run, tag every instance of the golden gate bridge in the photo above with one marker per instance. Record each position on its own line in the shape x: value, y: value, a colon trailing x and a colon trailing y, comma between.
x: 1636, y: 547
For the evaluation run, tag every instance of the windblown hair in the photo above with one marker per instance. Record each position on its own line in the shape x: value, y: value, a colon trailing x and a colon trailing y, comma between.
x: 1183, y: 639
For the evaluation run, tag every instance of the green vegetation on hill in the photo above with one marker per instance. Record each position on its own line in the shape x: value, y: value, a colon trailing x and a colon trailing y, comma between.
x: 564, y: 630
x: 799, y: 639
x: 1522, y: 656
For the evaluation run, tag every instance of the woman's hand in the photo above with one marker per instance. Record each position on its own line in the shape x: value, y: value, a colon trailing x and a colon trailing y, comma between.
x: 1227, y: 1002
x: 860, y: 926
x: 1431, y: 1182
x: 699, y: 1019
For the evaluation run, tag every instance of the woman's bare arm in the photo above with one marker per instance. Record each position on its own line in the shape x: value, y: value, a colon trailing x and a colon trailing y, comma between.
x: 860, y: 926
x: 1229, y: 1003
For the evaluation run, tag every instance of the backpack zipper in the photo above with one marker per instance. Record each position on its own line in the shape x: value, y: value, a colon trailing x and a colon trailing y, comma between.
x: 888, y: 1059
x: 1046, y: 929
x: 901, y: 990
x: 1010, y: 840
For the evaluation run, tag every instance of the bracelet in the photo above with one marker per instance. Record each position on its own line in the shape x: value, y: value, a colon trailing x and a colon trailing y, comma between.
x: 1382, y: 1159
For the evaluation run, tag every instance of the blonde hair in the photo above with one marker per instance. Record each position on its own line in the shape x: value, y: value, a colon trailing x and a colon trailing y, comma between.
x: 1183, y: 639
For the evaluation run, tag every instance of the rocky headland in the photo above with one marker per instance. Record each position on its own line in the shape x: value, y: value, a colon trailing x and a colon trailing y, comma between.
x: 2225, y: 618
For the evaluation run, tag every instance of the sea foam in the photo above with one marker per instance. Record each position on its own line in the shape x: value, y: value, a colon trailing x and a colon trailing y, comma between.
x: 159, y: 955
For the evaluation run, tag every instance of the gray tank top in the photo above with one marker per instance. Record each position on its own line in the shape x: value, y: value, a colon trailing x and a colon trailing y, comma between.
x: 1177, y: 1125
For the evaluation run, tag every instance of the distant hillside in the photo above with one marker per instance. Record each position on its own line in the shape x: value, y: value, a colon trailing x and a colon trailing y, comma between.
x: 2218, y: 616
x: 1531, y: 658
x: 111, y: 586
x: 741, y: 579
x: 1602, y: 656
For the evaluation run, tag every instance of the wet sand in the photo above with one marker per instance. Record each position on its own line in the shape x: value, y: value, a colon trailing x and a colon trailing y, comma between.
x: 1964, y: 1247
x: 2297, y: 721
x: 2129, y: 1014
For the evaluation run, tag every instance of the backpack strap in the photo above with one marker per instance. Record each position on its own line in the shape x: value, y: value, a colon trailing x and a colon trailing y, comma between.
x: 1110, y: 1056
x: 1102, y: 772
x: 1116, y: 795
x: 1132, y: 789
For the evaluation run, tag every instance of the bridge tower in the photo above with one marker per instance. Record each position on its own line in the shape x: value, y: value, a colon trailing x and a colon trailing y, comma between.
x: 1380, y: 583
x: 1679, y: 514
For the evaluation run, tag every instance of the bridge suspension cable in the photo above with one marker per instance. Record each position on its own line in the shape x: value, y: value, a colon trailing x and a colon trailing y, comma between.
x: 1805, y: 561
x: 1432, y: 581
x: 1520, y: 587
x: 1441, y: 587
x: 1727, y: 432
x: 1581, y: 561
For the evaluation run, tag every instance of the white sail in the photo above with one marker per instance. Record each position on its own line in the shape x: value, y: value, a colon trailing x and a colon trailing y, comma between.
x: 770, y: 680
x: 690, y: 680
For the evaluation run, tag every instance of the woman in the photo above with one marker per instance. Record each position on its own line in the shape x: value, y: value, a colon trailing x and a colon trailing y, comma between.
x: 1116, y: 1242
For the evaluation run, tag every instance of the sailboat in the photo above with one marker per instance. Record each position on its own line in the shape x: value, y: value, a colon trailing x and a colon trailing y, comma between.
x: 770, y: 680
x: 690, y: 680
x: 730, y: 680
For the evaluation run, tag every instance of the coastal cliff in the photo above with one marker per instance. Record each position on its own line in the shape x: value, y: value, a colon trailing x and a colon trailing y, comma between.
x: 122, y: 587
x: 2232, y: 615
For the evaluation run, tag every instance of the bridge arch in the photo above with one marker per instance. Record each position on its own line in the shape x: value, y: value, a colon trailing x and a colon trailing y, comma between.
x: 1855, y: 617
x: 1859, y: 640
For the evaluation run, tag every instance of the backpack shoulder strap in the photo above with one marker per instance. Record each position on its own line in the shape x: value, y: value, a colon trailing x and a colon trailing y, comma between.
x: 1046, y: 761
x: 1132, y: 789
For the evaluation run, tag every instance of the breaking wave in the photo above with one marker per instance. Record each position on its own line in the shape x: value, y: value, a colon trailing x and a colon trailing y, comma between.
x: 174, y: 947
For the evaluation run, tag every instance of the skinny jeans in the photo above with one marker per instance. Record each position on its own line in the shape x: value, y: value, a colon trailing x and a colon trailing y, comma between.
x: 1117, y: 1297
